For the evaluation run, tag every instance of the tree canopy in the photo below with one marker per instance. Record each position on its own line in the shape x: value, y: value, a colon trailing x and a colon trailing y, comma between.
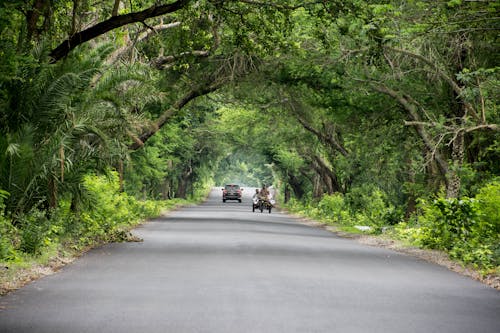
x: 392, y: 100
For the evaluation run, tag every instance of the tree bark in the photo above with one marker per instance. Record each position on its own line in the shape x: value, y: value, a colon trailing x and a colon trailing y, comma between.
x: 74, y: 16
x: 116, y: 7
x: 121, y: 174
x: 328, y: 176
x: 296, y: 186
x: 457, y: 156
x: 32, y: 17
x: 184, y: 183
x: 52, y: 189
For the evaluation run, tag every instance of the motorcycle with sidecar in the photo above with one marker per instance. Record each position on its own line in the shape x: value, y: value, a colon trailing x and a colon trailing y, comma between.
x: 262, y: 204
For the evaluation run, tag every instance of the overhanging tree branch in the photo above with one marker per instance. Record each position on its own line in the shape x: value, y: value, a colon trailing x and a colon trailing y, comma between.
x: 453, y: 84
x: 326, y: 138
x: 280, y: 5
x: 142, y: 37
x: 110, y: 24
x: 411, y: 108
x: 167, y: 114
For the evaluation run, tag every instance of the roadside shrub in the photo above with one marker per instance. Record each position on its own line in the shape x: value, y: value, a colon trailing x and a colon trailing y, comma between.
x: 7, y: 232
x: 488, y: 226
x: 34, y: 229
x: 467, y: 228
x: 371, y: 207
x: 333, y: 209
x: 447, y: 221
x: 8, y: 239
x: 112, y: 210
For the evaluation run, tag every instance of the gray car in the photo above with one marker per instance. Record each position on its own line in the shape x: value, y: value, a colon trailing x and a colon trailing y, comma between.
x: 231, y: 192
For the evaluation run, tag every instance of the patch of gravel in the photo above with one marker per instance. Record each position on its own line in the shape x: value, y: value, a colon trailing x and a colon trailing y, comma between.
x: 434, y: 256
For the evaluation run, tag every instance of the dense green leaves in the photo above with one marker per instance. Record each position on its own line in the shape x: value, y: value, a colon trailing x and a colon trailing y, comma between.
x: 354, y: 110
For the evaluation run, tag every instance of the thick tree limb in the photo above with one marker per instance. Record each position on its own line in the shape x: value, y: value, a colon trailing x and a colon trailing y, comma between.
x: 167, y: 114
x: 112, y: 23
x: 453, y: 84
x: 405, y: 102
x: 492, y: 127
x: 326, y: 138
x: 327, y: 174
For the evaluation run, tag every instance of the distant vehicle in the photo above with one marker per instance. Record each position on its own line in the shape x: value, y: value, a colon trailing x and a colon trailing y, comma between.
x: 231, y: 192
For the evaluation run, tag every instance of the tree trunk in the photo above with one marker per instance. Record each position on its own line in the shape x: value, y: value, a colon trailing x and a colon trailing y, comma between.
x: 328, y: 176
x: 182, y: 189
x: 459, y: 112
x: 165, y: 190
x: 121, y: 174
x: 74, y: 17
x: 457, y: 155
x: 411, y: 203
x: 184, y: 183
x: 287, y: 193
x: 116, y: 7
x: 317, y: 187
x: 62, y: 158
x: 32, y: 18
x: 52, y: 193
x: 296, y: 185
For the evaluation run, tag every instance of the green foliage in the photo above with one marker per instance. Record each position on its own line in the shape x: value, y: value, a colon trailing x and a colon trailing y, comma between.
x: 34, y: 229
x: 110, y: 214
x: 335, y: 209
x: 447, y: 222
x: 467, y: 228
x: 111, y: 209
x: 359, y: 207
x: 313, y: 100
x: 8, y: 234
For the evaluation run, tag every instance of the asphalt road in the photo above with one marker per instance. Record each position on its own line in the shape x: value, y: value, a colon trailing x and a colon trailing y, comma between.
x: 221, y: 268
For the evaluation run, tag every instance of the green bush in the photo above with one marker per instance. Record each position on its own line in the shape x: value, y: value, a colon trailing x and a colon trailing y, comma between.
x: 364, y: 206
x: 8, y: 239
x: 107, y: 218
x: 445, y: 222
x: 371, y: 207
x: 112, y: 209
x: 34, y: 232
x: 467, y: 228
x: 334, y: 209
x: 7, y: 232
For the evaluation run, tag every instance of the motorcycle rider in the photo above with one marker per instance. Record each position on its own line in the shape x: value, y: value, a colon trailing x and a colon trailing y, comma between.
x: 264, y: 193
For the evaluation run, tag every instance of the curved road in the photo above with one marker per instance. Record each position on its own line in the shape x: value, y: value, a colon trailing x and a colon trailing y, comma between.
x: 221, y: 268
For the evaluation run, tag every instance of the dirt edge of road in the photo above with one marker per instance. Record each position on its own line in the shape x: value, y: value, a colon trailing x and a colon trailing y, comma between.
x: 433, y: 256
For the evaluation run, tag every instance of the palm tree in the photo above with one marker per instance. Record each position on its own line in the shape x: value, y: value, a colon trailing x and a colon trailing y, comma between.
x: 68, y: 120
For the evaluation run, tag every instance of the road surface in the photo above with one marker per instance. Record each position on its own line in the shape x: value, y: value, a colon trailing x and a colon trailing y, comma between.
x: 221, y: 268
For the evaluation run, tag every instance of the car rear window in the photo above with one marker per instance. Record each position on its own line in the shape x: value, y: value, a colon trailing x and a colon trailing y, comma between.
x: 232, y: 187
